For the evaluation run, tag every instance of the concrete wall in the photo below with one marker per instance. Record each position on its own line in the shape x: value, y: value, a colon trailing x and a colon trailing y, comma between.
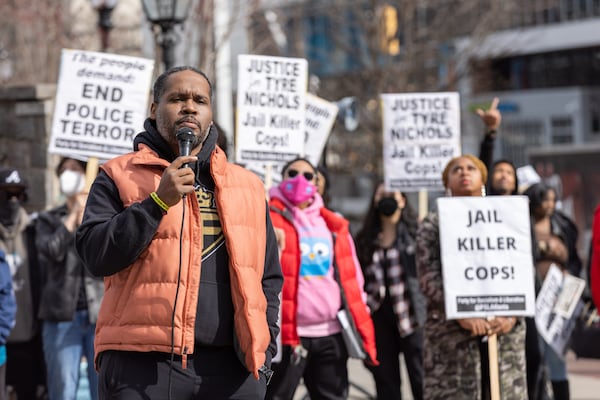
x: 25, y: 124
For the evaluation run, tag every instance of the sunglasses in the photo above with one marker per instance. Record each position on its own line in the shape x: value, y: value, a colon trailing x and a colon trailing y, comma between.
x: 307, y: 175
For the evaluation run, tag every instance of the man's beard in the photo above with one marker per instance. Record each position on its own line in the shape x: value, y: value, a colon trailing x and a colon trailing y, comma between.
x: 500, y: 191
x: 198, y: 140
x: 172, y: 138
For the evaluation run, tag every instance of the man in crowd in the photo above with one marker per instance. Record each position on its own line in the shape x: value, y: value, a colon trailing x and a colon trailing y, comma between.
x: 189, y: 257
x: 70, y: 297
x: 25, y: 363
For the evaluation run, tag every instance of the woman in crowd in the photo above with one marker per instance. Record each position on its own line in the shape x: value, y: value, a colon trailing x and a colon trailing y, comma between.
x: 451, y: 359
x: 71, y: 297
x: 386, y: 250
x: 554, y: 242
x: 313, y: 240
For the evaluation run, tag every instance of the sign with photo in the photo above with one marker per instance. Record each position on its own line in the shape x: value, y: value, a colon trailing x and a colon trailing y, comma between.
x: 557, y: 307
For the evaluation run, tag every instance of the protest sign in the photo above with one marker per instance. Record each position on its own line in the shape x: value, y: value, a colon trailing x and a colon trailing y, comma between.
x: 421, y: 133
x: 101, y: 103
x: 320, y: 116
x: 557, y: 308
x: 487, y: 266
x: 271, y: 103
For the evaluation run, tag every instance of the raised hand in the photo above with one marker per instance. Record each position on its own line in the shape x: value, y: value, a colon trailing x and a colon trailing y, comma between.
x: 490, y: 117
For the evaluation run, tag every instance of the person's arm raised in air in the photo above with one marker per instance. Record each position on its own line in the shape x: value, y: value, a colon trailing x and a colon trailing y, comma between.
x: 492, y: 119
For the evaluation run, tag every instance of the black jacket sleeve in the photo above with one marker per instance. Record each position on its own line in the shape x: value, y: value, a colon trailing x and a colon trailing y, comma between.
x: 486, y: 150
x: 568, y: 231
x: 52, y: 238
x: 272, y: 282
x: 111, y: 236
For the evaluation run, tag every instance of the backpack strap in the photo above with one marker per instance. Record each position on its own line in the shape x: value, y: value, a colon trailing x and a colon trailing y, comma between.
x: 285, y: 213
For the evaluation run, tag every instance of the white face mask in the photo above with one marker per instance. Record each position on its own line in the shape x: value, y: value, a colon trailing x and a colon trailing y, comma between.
x: 71, y: 182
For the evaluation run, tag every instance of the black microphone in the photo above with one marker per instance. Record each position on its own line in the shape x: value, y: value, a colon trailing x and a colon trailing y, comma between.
x: 185, y: 137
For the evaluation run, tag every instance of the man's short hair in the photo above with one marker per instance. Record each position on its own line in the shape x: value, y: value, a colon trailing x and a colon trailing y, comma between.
x: 159, y: 84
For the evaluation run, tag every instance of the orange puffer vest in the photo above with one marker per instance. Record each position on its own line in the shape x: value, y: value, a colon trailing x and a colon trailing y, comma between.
x: 290, y: 265
x: 138, y: 302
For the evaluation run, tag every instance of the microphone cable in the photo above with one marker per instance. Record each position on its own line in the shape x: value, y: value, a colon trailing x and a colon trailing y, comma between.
x: 176, y: 296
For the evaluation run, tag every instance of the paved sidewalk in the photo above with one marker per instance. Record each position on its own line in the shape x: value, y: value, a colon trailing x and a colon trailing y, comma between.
x: 584, y: 377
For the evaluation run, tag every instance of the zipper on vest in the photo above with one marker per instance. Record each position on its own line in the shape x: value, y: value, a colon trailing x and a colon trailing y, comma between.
x: 184, y: 358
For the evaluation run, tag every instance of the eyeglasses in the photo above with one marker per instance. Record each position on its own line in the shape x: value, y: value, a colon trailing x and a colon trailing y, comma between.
x: 308, y: 175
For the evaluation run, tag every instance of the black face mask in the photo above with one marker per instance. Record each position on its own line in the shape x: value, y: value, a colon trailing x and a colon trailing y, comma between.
x: 387, y: 206
x: 9, y: 210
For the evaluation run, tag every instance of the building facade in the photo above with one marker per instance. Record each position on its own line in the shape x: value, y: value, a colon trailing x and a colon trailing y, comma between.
x: 540, y: 57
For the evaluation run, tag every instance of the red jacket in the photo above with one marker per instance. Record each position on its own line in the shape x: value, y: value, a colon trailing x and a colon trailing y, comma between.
x: 290, y: 265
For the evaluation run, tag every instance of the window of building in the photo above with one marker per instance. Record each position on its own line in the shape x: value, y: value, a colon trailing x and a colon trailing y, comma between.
x: 595, y: 123
x: 334, y: 44
x: 519, y: 136
x: 576, y: 67
x: 595, y: 114
x: 562, y: 130
x: 541, y: 12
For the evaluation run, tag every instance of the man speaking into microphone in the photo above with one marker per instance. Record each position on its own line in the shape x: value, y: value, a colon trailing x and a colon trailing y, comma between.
x: 185, y: 243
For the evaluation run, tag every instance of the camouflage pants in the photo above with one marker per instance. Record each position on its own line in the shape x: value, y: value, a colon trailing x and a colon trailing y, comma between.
x: 452, y: 363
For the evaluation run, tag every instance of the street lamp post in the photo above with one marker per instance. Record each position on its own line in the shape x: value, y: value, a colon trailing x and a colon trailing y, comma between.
x: 166, y: 14
x: 105, y: 9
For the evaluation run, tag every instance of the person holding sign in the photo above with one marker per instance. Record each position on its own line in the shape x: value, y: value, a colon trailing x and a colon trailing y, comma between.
x: 503, y: 181
x: 386, y: 250
x: 451, y: 360
x: 25, y: 368
x: 322, y: 275
x: 555, y: 242
x: 70, y: 297
x: 189, y: 258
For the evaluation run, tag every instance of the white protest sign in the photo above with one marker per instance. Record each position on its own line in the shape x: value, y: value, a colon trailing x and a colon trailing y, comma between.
x: 557, y: 307
x: 271, y: 104
x: 320, y: 116
x: 421, y: 133
x: 101, y: 103
x: 487, y: 265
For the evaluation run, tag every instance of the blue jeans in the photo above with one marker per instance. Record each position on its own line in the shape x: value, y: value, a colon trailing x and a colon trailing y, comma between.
x: 557, y: 366
x: 64, y: 345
